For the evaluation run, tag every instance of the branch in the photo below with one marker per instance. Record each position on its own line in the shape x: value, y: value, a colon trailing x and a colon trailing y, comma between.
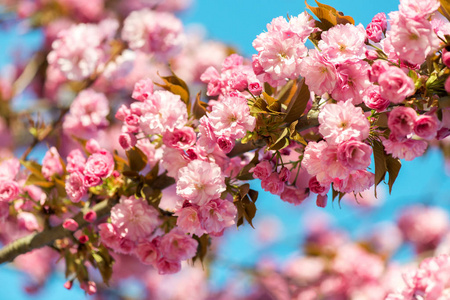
x: 305, y: 122
x: 48, y: 236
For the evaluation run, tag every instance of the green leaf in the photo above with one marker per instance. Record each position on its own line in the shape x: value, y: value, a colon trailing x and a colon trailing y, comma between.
x: 298, y: 103
x: 137, y: 159
x: 380, y: 163
x: 393, y: 166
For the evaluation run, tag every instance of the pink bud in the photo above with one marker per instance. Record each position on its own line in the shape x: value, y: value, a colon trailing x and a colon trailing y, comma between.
x: 83, y: 239
x: 90, y: 216
x: 284, y: 174
x: 70, y: 224
x: 255, y: 88
x: 321, y: 200
x: 92, y: 146
x: 371, y: 54
x: 127, y: 141
x: 446, y: 56
x: 115, y: 174
x: 68, y: 284
x: 89, y: 287
x: 447, y: 85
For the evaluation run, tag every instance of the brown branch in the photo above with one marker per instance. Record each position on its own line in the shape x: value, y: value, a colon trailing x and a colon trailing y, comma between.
x: 47, y: 237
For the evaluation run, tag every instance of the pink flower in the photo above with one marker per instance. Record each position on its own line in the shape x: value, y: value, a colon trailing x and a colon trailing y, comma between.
x: 200, y: 182
x: 401, y: 121
x: 342, y: 121
x: 262, y: 170
x: 395, y: 85
x: 412, y: 39
x: 352, y: 82
x: 231, y: 117
x: 51, y: 164
x: 255, y: 88
x: 189, y: 220
x: 217, y: 215
x: 173, y: 160
x: 426, y: 126
x: 284, y: 174
x: 160, y: 33
x: 92, y: 146
x: 373, y: 100
x: 225, y: 143
x: 375, y: 29
x: 321, y: 200
x: 109, y: 235
x: 319, y: 73
x: 294, y: 195
x: 9, y: 169
x: 317, y: 188
x: 273, y: 184
x: 142, y: 89
x: 166, y: 266
x: 378, y: 67
x: 163, y: 111
x: 89, y: 287
x: 75, y: 161
x: 312, y: 157
x: 182, y: 138
x: 148, y: 252
x: 354, y: 155
x: 424, y: 226
x: 343, y: 42
x: 176, y: 245
x: 418, y: 9
x: 70, y: 224
x: 406, y: 149
x: 127, y: 141
x: 75, y: 188
x: 356, y: 182
x: 90, y: 216
x: 27, y: 221
x: 100, y: 164
x: 87, y: 114
x: 91, y: 180
x: 279, y: 55
x: 134, y: 219
x: 9, y: 190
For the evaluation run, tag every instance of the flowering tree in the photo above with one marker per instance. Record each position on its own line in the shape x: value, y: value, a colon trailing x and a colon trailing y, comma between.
x: 140, y: 166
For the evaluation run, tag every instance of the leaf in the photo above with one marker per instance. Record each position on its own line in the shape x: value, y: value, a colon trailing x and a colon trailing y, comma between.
x: 260, y: 106
x: 151, y: 175
x: 253, y: 195
x: 246, y: 210
x: 269, y: 99
x: 380, y: 163
x: 287, y: 92
x: 120, y: 162
x: 445, y: 9
x: 33, y: 179
x: 33, y: 167
x: 294, y: 135
x: 268, y: 88
x: 199, y: 109
x: 328, y: 16
x: 202, y: 248
x: 104, y: 264
x: 282, y: 141
x: 298, y: 104
x: 393, y: 167
x: 177, y: 86
x: 244, y: 174
x: 243, y: 190
x: 137, y: 159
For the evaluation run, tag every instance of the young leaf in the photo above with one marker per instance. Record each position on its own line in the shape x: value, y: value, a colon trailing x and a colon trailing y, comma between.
x: 245, y: 174
x: 137, y: 159
x: 445, y: 9
x: 199, y: 109
x: 177, y: 86
x: 329, y: 16
x: 282, y: 141
x: 298, y: 103
x: 393, y: 166
x: 202, y: 248
x: 380, y: 163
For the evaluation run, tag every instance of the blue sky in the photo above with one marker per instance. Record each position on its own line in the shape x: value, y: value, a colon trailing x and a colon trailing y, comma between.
x: 238, y: 23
